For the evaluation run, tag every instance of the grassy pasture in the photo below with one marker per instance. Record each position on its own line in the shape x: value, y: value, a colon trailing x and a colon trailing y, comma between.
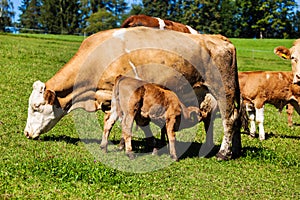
x: 61, y: 166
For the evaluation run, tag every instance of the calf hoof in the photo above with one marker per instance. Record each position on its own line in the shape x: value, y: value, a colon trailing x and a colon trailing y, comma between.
x: 174, y: 157
x: 121, y: 145
x: 130, y: 155
x: 222, y: 157
x: 262, y: 138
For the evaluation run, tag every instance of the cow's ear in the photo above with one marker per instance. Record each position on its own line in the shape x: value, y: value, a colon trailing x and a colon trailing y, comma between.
x: 283, y: 52
x: 49, y: 97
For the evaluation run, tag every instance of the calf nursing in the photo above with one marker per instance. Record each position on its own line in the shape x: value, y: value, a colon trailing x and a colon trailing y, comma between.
x: 142, y: 102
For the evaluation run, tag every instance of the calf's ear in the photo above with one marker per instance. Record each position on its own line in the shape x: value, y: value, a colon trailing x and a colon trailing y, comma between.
x: 49, y: 97
x: 283, y: 52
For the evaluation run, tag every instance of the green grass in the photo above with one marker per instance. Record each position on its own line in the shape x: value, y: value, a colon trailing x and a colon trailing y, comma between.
x: 62, y: 166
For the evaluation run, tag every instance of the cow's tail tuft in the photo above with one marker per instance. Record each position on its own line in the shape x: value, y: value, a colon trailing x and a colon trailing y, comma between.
x: 244, y: 117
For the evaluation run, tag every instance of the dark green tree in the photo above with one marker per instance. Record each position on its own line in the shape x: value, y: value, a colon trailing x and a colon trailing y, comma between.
x: 118, y: 9
x: 6, y: 13
x: 30, y: 14
x: 156, y: 8
x: 101, y: 20
x: 60, y: 16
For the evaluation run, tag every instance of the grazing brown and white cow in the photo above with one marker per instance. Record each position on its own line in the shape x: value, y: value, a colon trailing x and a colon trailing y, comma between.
x: 261, y: 87
x: 86, y: 81
x: 142, y: 102
x: 154, y: 22
x: 292, y: 54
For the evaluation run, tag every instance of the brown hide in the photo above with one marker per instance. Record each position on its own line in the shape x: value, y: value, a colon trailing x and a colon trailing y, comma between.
x: 144, y: 20
x: 292, y: 54
x: 150, y: 101
x: 260, y: 87
x: 169, y: 58
x: 144, y: 102
x: 92, y: 69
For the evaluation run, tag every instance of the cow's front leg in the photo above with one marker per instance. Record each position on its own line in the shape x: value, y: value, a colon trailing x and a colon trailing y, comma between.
x: 109, y: 121
x: 260, y: 121
x: 127, y: 123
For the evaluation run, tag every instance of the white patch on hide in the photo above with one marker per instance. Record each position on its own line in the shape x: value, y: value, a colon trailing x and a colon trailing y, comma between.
x: 127, y: 50
x: 120, y: 33
x: 161, y: 23
x: 267, y: 76
x: 280, y: 76
x: 193, y: 31
x: 134, y: 70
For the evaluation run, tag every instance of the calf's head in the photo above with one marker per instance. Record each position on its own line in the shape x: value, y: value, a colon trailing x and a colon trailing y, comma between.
x: 43, y: 114
x: 292, y: 54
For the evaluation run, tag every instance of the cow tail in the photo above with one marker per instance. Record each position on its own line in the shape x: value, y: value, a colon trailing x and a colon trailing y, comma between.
x: 116, y: 95
x: 244, y: 117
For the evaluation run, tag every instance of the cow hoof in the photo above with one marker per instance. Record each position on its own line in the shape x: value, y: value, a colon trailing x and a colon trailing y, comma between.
x: 222, y: 157
x: 252, y: 135
x: 103, y: 148
x: 130, y: 155
x: 155, y: 151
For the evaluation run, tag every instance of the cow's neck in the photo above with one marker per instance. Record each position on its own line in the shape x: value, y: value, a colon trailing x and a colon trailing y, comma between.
x: 62, y: 84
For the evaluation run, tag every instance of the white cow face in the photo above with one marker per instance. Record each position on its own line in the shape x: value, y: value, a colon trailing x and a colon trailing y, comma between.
x: 43, y: 114
x: 292, y: 54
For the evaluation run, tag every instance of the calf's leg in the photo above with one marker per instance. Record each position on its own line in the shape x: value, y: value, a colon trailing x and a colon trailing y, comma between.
x: 171, y: 135
x: 127, y: 123
x: 109, y: 121
x: 260, y: 121
x: 289, y: 111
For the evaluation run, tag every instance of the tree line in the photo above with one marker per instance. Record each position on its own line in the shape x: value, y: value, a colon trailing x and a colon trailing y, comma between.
x: 232, y: 18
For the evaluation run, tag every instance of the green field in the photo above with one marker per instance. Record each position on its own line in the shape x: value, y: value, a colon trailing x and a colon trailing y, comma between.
x: 61, y: 166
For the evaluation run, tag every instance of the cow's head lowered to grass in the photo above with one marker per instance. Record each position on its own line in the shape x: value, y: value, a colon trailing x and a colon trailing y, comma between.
x: 292, y: 54
x: 43, y: 114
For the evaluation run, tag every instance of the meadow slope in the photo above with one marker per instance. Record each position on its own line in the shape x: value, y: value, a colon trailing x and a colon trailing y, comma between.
x: 61, y: 166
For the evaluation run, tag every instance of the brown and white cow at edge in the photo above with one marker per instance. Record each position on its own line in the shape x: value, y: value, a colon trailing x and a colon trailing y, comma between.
x: 292, y: 54
x: 261, y: 87
x: 154, y: 22
x: 86, y: 81
x: 142, y: 102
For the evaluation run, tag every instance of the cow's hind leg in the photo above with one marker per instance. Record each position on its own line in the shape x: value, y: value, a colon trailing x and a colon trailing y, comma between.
x: 109, y: 121
x: 127, y: 123
x: 231, y: 124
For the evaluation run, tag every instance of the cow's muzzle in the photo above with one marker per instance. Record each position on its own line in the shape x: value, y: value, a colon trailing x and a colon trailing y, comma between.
x: 296, y: 79
x: 30, y: 135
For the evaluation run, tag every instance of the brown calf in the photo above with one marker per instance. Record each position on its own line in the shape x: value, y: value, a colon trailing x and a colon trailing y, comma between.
x: 142, y: 102
x: 144, y: 20
x: 261, y: 87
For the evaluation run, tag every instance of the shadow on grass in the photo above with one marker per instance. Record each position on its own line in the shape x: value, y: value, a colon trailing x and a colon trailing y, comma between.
x: 183, y: 149
x: 270, y: 135
x: 61, y: 138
